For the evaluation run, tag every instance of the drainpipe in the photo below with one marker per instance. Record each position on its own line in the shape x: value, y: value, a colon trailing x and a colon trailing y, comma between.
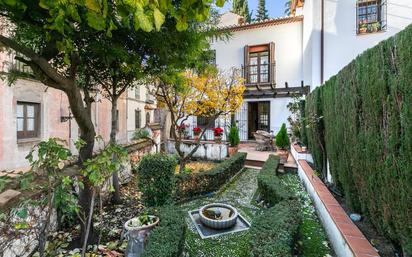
x: 322, y: 42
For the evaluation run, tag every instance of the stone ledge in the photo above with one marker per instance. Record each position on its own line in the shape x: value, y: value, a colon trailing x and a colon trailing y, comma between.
x: 7, y: 196
x: 353, y: 237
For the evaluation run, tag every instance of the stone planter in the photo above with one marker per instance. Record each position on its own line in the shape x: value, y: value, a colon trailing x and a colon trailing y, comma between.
x: 233, y: 150
x: 136, y: 236
x: 227, y: 212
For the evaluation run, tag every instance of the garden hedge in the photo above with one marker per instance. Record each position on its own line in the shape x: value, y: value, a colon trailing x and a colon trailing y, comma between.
x: 274, y: 231
x: 194, y: 184
x: 366, y: 130
x: 269, y: 184
x: 156, y: 178
x: 167, y: 239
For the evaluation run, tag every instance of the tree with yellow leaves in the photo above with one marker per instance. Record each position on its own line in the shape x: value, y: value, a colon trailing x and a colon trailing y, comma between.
x: 210, y: 94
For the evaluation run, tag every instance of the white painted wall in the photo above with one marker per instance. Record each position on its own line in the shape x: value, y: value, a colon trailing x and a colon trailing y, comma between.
x: 289, y: 64
x: 288, y: 50
x: 342, y: 44
x: 133, y: 104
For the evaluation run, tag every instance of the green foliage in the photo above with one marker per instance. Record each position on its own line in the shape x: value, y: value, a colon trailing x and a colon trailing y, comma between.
x: 65, y: 202
x: 3, y: 182
x: 262, y: 12
x: 195, y: 184
x: 273, y: 232
x: 269, y: 184
x: 167, y: 239
x: 282, y: 138
x: 234, y: 138
x: 367, y: 113
x: 50, y: 155
x: 25, y: 180
x: 295, y: 118
x: 241, y: 8
x: 311, y: 240
x: 61, y: 18
x: 100, y: 168
x: 156, y: 182
x: 140, y: 133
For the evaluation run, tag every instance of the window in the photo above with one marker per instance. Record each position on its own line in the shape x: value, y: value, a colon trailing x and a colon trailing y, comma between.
x: 203, y: 121
x: 259, y: 67
x: 28, y: 120
x: 137, y: 117
x: 371, y: 16
x: 260, y: 64
x: 147, y: 118
x: 137, y: 93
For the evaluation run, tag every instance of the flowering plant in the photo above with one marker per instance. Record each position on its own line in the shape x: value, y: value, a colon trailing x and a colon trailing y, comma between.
x: 197, y: 131
x: 218, y: 131
x: 182, y: 127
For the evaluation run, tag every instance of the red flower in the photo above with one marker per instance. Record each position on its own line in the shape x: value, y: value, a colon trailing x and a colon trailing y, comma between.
x: 218, y: 131
x: 197, y: 130
x: 181, y: 127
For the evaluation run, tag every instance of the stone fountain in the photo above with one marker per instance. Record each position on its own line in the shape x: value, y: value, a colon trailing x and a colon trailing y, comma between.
x: 217, y: 219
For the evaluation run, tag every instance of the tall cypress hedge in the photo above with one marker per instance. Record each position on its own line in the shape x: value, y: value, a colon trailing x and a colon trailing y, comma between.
x: 367, y: 133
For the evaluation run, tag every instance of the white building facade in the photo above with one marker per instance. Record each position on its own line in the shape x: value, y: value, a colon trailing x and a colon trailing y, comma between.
x: 293, y: 55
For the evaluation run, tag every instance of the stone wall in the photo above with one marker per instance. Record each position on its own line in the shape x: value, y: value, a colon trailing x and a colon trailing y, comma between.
x: 208, y: 150
x: 26, y: 242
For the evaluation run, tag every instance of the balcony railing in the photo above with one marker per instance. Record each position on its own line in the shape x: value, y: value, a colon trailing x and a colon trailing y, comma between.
x: 259, y: 74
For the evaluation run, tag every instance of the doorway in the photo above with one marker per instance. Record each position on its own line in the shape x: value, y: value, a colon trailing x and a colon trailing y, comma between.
x: 258, y: 117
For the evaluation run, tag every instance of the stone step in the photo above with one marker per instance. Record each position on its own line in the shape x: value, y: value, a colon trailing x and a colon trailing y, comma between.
x: 255, y: 163
x: 7, y: 196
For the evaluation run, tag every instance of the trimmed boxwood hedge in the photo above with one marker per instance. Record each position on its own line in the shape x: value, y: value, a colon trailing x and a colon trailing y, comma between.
x: 367, y: 131
x: 274, y: 231
x: 167, y: 239
x: 195, y: 184
x: 270, y: 186
x: 156, y: 173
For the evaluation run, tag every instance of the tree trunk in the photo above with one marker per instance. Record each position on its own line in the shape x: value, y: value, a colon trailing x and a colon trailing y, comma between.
x: 82, y: 116
x: 116, y: 199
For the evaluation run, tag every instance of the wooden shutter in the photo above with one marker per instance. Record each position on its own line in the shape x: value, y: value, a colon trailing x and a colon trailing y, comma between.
x: 246, y: 63
x: 272, y: 62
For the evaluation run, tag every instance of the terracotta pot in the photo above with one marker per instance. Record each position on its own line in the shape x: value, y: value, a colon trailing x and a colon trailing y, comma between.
x: 283, y: 154
x: 218, y: 139
x: 196, y: 137
x: 232, y: 150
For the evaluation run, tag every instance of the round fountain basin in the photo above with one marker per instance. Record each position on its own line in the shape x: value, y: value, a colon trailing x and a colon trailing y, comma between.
x: 218, y: 215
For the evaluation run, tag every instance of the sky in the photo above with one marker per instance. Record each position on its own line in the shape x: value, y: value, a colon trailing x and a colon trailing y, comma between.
x: 275, y: 8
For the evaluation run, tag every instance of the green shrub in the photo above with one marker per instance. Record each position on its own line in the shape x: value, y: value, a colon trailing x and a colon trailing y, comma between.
x: 234, y: 138
x: 269, y: 185
x: 167, y: 239
x: 367, y: 114
x: 282, y: 138
x: 189, y: 185
x: 274, y: 231
x: 156, y: 181
x: 140, y: 133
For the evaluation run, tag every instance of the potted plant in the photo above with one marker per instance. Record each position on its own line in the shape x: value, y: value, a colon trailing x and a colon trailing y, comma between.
x: 375, y: 26
x: 363, y: 27
x: 234, y: 140
x: 136, y: 230
x: 181, y: 129
x: 196, y: 132
x: 282, y: 142
x: 217, y: 132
